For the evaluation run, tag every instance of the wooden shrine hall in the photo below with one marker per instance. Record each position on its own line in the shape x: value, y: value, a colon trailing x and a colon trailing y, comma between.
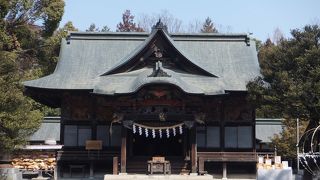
x: 139, y: 97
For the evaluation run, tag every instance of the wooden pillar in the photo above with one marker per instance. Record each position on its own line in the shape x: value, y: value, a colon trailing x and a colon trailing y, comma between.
x: 115, y: 166
x: 91, y: 170
x: 193, y: 140
x: 123, y: 150
x: 185, y: 143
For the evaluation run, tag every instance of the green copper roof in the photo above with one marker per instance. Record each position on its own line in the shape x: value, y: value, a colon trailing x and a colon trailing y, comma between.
x: 85, y: 57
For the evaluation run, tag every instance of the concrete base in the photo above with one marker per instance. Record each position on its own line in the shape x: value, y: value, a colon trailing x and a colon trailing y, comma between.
x: 267, y: 174
x: 156, y: 177
x: 164, y: 177
x: 40, y: 178
x: 10, y: 174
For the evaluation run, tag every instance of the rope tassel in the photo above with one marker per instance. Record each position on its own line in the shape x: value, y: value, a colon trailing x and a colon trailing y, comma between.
x: 160, y: 133
x: 180, y: 130
x: 153, y: 133
x: 138, y: 128
x: 134, y: 129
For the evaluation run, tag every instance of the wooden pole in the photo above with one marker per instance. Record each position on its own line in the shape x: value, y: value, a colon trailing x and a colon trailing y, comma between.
x: 298, y: 137
x: 115, y: 165
x: 193, y: 150
x: 123, y: 150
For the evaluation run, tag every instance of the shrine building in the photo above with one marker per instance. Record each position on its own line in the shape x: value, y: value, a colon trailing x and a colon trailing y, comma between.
x: 128, y: 97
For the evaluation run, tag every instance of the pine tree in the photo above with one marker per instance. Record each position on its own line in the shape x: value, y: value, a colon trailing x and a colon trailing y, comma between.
x: 92, y: 28
x: 208, y: 26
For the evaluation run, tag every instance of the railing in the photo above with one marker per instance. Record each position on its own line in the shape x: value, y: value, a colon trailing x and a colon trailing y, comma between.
x: 269, y: 155
x: 228, y: 156
x: 224, y: 157
x: 86, y: 155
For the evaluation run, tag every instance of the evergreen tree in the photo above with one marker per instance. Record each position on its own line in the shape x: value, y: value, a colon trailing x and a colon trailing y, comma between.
x: 48, y: 56
x: 105, y: 29
x: 285, y: 142
x: 290, y: 83
x: 127, y: 24
x: 92, y: 28
x: 20, y: 41
x: 208, y: 26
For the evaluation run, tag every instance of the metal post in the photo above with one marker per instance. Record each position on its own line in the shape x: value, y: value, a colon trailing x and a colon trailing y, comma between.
x: 224, y: 170
x: 298, y: 167
x: 91, y: 170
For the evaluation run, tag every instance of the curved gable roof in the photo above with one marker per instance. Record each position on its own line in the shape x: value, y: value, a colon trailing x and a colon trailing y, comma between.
x: 88, y: 61
x: 124, y: 64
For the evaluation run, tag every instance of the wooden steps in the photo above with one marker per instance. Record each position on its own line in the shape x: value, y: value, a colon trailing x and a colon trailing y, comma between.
x: 138, y: 165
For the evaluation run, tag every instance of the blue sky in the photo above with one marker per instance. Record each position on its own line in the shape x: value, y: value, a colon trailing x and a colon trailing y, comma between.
x: 258, y: 17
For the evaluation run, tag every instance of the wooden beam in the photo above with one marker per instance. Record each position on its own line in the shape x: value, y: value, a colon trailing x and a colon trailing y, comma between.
x: 193, y: 149
x: 123, y: 150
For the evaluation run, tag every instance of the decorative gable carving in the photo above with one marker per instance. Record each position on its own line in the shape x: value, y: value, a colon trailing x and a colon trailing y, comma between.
x: 158, y: 52
x: 158, y: 71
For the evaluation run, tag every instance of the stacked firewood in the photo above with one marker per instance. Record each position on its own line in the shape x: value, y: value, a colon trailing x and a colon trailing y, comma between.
x: 42, y: 162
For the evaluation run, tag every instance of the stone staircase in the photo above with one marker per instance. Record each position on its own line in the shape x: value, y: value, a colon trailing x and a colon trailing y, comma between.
x: 138, y: 165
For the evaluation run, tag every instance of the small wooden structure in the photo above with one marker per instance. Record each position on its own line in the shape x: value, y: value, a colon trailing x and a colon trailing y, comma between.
x: 180, y: 96
x: 159, y: 164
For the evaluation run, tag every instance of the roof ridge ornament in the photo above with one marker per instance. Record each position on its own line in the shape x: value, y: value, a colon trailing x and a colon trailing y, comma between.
x: 158, y: 70
x: 160, y: 26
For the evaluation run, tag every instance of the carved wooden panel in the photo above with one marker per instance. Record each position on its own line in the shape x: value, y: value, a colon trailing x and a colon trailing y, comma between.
x: 238, y: 110
x: 213, y: 110
x: 104, y: 113
x: 77, y: 107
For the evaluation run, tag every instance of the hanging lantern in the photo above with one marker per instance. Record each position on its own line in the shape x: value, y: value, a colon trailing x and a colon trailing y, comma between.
x: 140, y: 130
x: 134, y: 129
x: 168, y: 133
x: 180, y: 129
x: 160, y: 133
x: 146, y: 131
x: 153, y: 133
x: 174, y: 131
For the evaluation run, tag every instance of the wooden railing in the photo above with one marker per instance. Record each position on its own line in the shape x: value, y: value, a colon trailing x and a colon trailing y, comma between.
x: 86, y: 155
x: 224, y: 157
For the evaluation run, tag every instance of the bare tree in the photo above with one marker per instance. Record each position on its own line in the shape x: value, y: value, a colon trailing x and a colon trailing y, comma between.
x: 277, y: 36
x: 225, y: 29
x: 194, y: 26
x: 173, y: 24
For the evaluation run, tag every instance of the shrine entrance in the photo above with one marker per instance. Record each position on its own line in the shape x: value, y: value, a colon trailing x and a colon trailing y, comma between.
x: 149, y: 146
